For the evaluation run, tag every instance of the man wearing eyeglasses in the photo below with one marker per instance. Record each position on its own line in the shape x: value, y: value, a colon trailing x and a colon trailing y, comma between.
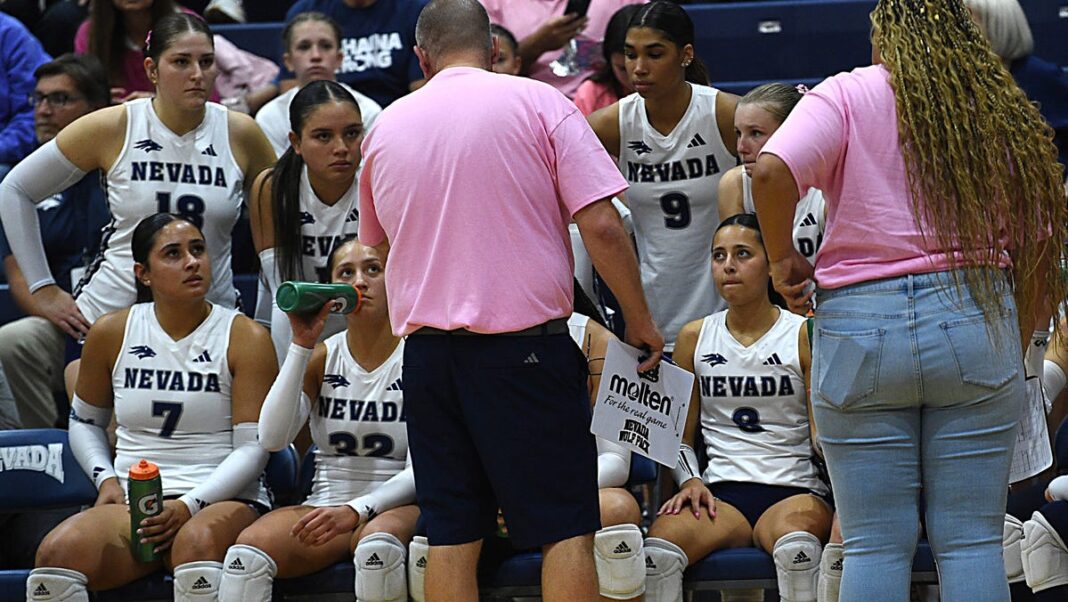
x: 31, y: 349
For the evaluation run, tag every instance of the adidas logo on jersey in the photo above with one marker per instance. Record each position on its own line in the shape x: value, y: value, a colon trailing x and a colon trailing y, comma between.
x: 236, y: 565
x: 810, y: 220
x: 421, y: 563
x: 336, y: 380
x: 801, y: 558
x: 395, y: 386
x: 41, y: 590
x: 836, y: 565
x: 203, y: 357
x: 306, y: 218
x: 142, y: 351
x: 773, y: 360
x: 531, y: 359
x: 696, y: 141
x: 713, y: 359
x: 201, y: 583
x: 210, y: 151
x: 353, y: 216
x: 639, y: 147
x: 148, y: 145
x: 374, y: 561
x: 622, y: 548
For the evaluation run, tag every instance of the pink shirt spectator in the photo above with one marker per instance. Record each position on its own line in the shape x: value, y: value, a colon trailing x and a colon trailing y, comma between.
x: 134, y: 78
x: 523, y: 17
x: 592, y: 96
x: 473, y: 179
x: 842, y: 138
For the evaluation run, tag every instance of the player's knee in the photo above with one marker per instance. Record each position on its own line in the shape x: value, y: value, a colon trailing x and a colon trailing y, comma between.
x: 60, y: 548
x: 197, y: 581
x: 797, y: 562
x: 196, y: 540
x: 830, y: 577
x: 380, y: 572
x: 1011, y: 544
x: 664, y: 564
x: 418, y: 552
x: 248, y: 575
x: 1044, y: 555
x: 56, y: 585
x: 618, y: 507
x: 620, y: 561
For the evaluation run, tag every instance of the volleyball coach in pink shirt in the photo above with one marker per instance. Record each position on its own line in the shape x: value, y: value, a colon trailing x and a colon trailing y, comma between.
x: 470, y: 183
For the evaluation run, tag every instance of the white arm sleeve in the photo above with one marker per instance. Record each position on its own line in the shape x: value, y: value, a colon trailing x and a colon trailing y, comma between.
x: 613, y: 464
x: 244, y: 465
x: 1053, y: 381
x: 397, y: 491
x: 286, y: 407
x: 1058, y: 488
x: 89, y: 440
x: 44, y: 173
x: 686, y: 468
x: 281, y: 331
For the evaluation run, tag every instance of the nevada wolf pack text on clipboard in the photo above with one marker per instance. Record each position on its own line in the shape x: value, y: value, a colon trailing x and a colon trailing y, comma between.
x: 644, y: 412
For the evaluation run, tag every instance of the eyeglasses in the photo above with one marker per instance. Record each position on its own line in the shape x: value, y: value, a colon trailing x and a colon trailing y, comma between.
x: 58, y: 100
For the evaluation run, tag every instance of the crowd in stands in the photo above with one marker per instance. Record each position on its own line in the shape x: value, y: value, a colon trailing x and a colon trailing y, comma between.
x: 137, y: 147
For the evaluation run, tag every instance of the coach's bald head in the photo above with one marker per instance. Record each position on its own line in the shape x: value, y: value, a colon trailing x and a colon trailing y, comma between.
x: 452, y: 33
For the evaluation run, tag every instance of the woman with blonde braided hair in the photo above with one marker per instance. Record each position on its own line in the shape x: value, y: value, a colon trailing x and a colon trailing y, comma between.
x: 946, y: 219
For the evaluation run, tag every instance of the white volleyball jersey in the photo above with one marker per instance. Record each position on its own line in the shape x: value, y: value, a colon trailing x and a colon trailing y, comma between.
x: 322, y: 226
x: 173, y: 401
x: 673, y: 196
x: 195, y: 176
x: 809, y: 218
x: 359, y: 425
x: 754, y: 418
x: 273, y: 117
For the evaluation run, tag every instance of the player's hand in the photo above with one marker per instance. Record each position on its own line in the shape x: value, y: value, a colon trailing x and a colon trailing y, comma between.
x: 323, y: 524
x: 694, y: 494
x: 643, y: 334
x: 59, y: 308
x: 162, y: 527
x: 557, y: 31
x: 110, y: 493
x: 792, y: 278
x: 307, y: 327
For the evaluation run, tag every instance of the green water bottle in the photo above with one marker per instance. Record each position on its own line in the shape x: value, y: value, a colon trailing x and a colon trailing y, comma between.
x: 309, y: 297
x: 146, y: 499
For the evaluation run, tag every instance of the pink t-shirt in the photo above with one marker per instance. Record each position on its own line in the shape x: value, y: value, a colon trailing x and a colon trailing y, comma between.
x: 842, y: 139
x: 473, y: 179
x: 592, y: 96
x: 523, y: 17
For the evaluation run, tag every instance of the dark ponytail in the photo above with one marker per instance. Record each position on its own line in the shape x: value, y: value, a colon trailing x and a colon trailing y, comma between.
x: 675, y: 24
x: 749, y: 220
x: 144, y: 238
x: 285, y: 178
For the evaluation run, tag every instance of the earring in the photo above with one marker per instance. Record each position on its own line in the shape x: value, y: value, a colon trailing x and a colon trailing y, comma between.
x: 686, y: 63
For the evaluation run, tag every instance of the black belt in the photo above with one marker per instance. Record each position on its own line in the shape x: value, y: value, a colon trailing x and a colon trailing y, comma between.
x: 557, y: 326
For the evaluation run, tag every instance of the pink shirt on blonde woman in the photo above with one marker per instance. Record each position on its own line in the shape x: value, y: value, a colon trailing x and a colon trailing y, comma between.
x: 842, y: 139
x: 473, y: 180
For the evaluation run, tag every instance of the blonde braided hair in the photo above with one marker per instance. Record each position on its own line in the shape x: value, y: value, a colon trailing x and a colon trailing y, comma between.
x: 977, y: 153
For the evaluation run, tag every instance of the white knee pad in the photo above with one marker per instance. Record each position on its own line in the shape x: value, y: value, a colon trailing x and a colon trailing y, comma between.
x: 830, y: 579
x: 664, y: 564
x: 197, y: 581
x: 59, y: 585
x: 742, y: 595
x: 617, y: 552
x: 380, y: 575
x: 1045, y: 557
x: 418, y: 551
x: 1011, y: 542
x: 797, y: 565
x: 248, y: 575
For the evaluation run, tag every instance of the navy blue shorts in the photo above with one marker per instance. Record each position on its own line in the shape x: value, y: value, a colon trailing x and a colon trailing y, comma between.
x: 754, y: 499
x: 72, y: 349
x: 500, y: 421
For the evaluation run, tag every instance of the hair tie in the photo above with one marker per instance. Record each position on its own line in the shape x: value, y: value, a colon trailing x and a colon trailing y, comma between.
x: 148, y: 40
x: 802, y: 89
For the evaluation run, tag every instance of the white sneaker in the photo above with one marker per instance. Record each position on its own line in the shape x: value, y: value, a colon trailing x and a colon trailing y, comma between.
x: 225, y: 11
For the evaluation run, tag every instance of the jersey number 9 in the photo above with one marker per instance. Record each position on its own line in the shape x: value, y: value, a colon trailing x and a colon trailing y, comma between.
x: 676, y: 208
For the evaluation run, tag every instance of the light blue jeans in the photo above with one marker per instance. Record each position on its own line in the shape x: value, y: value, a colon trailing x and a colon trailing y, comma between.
x: 914, y: 392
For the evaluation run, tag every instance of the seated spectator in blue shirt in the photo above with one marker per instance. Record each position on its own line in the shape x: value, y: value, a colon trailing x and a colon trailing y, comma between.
x: 20, y: 54
x: 377, y: 37
x: 31, y: 348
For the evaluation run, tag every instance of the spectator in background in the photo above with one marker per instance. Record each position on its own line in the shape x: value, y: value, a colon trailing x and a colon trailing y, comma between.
x: 544, y: 32
x: 31, y: 349
x: 610, y: 82
x: 20, y: 54
x: 53, y: 22
x: 377, y: 37
x: 508, y: 60
x: 1005, y: 25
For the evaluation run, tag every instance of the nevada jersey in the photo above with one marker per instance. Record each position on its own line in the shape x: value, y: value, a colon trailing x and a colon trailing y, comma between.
x: 195, y: 176
x: 173, y: 403
x: 809, y: 218
x: 673, y: 196
x: 358, y: 424
x: 754, y: 418
x: 576, y: 327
